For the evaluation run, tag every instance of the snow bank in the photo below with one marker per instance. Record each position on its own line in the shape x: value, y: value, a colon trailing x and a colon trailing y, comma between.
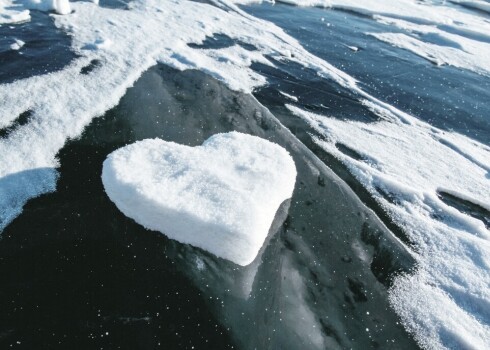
x: 446, y: 304
x: 221, y: 196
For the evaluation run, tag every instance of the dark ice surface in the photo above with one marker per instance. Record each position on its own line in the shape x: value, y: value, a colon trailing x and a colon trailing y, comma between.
x: 77, y: 274
x: 46, y: 49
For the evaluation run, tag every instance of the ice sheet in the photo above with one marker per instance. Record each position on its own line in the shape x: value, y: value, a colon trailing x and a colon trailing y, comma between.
x: 221, y: 196
x: 124, y: 43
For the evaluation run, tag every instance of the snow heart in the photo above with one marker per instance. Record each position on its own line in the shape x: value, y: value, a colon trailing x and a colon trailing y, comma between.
x: 221, y: 196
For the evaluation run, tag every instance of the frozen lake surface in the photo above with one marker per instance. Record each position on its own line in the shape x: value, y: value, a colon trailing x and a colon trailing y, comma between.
x: 383, y: 107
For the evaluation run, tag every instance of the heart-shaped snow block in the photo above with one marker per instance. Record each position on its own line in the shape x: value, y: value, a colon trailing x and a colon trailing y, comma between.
x: 221, y: 196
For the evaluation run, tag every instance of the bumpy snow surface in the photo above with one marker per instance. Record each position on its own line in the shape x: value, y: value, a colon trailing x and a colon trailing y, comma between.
x: 221, y: 196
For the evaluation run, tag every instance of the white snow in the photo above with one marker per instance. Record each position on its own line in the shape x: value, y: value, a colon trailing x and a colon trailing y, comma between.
x: 466, y: 52
x: 480, y: 5
x: 447, y: 302
x: 14, y: 11
x: 291, y: 97
x: 98, y: 44
x: 221, y: 196
x: 17, y: 45
x: 61, y: 7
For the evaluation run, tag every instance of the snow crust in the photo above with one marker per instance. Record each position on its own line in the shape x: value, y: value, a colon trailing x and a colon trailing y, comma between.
x: 446, y: 304
x: 221, y: 196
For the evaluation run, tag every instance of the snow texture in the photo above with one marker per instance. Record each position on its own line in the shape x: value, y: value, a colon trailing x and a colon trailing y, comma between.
x: 61, y: 7
x: 221, y: 196
x: 446, y: 304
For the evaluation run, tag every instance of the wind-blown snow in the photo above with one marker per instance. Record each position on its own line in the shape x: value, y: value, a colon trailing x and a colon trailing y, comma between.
x: 469, y: 32
x: 61, y: 7
x: 404, y: 166
x: 221, y: 196
x: 291, y: 97
x: 464, y: 52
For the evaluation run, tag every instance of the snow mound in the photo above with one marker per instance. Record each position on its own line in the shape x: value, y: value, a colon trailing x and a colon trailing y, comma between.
x: 221, y: 196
